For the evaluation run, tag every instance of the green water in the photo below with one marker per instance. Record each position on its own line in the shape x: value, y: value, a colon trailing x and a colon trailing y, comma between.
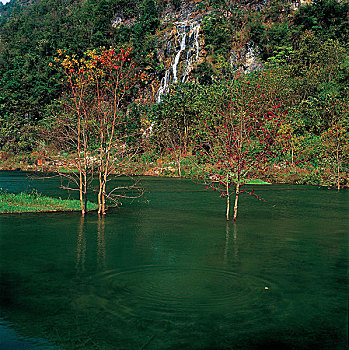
x: 167, y: 272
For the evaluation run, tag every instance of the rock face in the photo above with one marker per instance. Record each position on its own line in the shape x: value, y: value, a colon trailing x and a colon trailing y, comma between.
x: 180, y: 55
x: 181, y: 47
x: 250, y: 59
x: 181, y: 44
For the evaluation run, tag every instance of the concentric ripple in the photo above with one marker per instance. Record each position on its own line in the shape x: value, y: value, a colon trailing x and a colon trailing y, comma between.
x: 173, y: 289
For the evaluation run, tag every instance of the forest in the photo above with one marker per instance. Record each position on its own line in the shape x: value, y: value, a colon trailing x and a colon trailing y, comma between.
x: 79, y: 80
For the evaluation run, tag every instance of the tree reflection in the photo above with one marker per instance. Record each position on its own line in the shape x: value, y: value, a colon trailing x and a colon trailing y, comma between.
x: 81, y: 247
x: 101, y: 257
x: 227, y: 258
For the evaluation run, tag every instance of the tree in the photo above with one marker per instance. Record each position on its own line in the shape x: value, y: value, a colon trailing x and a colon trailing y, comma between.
x: 336, y: 149
x: 327, y: 18
x: 114, y: 77
x: 71, y: 127
x: 238, y: 142
x: 93, y: 121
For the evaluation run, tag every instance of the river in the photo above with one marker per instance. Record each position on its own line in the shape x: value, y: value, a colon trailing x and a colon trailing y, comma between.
x: 167, y: 271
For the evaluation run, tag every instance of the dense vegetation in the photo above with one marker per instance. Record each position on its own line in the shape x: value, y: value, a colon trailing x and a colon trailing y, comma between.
x: 305, y: 71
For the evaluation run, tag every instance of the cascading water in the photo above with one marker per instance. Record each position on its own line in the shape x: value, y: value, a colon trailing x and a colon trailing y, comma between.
x: 178, y: 56
x: 164, y: 86
x: 193, y: 51
x: 188, y: 46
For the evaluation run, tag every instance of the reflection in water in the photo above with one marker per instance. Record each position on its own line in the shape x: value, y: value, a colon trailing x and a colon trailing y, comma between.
x: 81, y: 247
x: 235, y: 239
x: 226, y: 247
x: 101, y: 257
x: 226, y: 259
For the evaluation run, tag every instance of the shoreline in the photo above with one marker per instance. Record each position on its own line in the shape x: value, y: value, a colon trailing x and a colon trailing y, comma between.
x: 287, y: 175
x: 45, y: 211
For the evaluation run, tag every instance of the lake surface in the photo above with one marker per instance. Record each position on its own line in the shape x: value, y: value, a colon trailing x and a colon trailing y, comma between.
x: 168, y: 272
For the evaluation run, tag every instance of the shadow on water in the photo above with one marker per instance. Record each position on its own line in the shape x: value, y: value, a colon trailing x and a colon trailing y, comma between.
x: 168, y: 272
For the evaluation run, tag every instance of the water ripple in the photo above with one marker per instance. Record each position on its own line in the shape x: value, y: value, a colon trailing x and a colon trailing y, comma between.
x: 178, y: 289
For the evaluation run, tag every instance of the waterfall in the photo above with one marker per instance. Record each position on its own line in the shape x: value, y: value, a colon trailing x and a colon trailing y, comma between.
x: 187, y: 37
x: 178, y: 56
x: 193, y: 46
x: 164, y: 86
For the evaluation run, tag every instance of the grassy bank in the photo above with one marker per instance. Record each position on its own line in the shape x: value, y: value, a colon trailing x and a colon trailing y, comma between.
x: 35, y: 202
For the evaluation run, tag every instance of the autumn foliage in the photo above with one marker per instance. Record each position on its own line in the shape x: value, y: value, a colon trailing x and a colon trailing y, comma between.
x: 93, y: 118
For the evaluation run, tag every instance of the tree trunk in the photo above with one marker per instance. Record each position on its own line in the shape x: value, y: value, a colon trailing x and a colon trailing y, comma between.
x: 228, y: 198
x: 236, y: 200
x: 85, y: 191
x: 103, y: 198
x: 228, y: 207
x: 81, y: 194
x: 100, y: 194
x: 338, y: 177
x: 179, y: 167
x: 86, y: 202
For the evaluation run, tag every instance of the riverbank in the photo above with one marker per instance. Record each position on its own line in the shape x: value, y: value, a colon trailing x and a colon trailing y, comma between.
x: 304, y: 173
x: 35, y: 202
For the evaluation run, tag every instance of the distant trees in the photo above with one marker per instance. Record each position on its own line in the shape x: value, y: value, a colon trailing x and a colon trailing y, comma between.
x: 328, y: 19
x: 32, y: 31
x: 310, y: 85
x: 173, y: 124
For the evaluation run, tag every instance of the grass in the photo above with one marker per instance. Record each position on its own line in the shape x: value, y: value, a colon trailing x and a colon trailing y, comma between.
x: 256, y: 182
x: 35, y: 202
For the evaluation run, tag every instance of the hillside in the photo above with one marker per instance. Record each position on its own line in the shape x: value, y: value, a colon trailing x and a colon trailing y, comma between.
x: 303, y: 46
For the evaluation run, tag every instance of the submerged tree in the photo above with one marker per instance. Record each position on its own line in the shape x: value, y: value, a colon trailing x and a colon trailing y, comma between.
x: 70, y: 127
x: 115, y: 76
x: 238, y: 142
x: 94, y: 122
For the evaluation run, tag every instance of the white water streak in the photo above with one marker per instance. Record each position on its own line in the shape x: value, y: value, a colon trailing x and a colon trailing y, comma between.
x: 188, y: 38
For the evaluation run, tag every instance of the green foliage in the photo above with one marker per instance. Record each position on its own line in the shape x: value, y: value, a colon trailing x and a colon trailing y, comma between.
x: 269, y: 37
x: 204, y: 73
x: 273, y: 26
x: 218, y: 32
x: 282, y: 55
x: 328, y: 19
x: 30, y: 38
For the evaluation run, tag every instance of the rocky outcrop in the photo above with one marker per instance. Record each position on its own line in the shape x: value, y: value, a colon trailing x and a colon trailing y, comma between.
x: 181, y: 44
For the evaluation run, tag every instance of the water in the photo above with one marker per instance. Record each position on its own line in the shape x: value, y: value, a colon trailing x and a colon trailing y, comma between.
x: 167, y: 271
x: 187, y: 52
